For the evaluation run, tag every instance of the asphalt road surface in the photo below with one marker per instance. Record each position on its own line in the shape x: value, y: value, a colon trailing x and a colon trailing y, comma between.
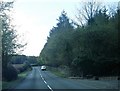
x: 38, y: 79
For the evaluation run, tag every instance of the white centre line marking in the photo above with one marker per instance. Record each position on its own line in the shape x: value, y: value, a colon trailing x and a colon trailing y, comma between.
x: 49, y: 87
x: 45, y: 81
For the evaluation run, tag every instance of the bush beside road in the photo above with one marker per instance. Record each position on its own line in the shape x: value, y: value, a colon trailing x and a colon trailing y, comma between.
x: 12, y: 84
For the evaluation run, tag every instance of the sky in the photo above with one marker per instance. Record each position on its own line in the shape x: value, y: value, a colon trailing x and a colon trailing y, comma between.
x: 35, y: 18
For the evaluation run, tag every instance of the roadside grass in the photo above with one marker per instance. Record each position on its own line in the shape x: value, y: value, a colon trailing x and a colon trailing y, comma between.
x: 12, y: 84
x: 59, y: 72
x: 64, y: 73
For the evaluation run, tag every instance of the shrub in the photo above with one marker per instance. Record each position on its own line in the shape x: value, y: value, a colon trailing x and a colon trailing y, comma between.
x: 10, y: 73
x: 24, y: 68
x: 21, y: 69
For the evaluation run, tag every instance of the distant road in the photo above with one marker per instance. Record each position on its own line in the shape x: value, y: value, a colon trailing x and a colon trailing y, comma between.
x: 38, y: 79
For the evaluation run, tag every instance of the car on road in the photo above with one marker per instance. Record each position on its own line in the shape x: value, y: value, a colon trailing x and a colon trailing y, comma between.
x: 43, y: 67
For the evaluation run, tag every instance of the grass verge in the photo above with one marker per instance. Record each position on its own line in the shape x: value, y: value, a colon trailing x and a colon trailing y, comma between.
x: 59, y: 72
x: 12, y: 84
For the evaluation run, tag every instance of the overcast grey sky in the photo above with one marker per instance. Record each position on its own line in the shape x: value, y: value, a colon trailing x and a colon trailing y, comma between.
x: 35, y: 18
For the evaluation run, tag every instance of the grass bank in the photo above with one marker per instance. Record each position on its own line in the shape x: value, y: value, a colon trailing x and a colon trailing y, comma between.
x: 12, y: 84
x: 64, y: 72
x: 61, y: 71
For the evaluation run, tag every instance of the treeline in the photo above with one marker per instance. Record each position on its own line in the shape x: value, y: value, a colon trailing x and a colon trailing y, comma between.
x: 20, y: 59
x: 89, y: 48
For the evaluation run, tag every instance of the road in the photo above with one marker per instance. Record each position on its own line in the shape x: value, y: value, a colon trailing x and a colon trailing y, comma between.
x: 38, y: 79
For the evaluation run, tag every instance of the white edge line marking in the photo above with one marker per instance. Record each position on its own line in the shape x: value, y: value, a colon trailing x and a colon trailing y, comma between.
x: 45, y: 81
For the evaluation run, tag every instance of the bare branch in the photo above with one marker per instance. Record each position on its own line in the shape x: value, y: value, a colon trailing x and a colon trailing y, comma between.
x: 88, y: 11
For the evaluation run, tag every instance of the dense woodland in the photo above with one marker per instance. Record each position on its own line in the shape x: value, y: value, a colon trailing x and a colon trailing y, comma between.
x: 87, y: 47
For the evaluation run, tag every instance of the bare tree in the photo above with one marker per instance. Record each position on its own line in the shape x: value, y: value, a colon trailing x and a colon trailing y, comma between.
x: 87, y: 12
